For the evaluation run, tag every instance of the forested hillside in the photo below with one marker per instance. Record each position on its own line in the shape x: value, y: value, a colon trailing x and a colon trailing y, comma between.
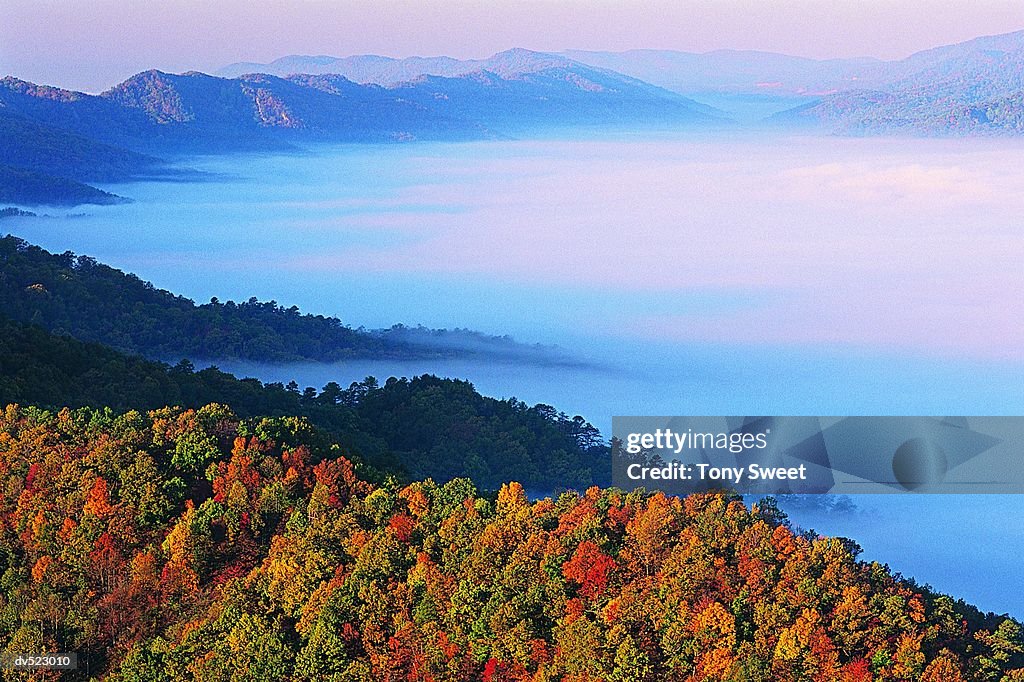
x: 51, y: 150
x: 413, y: 428
x: 184, y: 544
x: 90, y: 301
x: 21, y: 186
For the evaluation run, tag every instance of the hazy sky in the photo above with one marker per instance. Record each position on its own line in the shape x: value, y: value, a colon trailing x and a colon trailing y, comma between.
x: 92, y: 44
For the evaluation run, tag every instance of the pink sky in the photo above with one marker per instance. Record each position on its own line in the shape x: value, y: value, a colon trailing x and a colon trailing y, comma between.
x: 92, y: 44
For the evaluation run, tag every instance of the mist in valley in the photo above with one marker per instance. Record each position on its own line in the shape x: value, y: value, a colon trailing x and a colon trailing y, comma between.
x: 681, y: 274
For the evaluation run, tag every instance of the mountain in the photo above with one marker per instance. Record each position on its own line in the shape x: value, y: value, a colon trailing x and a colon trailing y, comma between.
x: 360, y: 68
x: 195, y: 111
x: 981, y: 56
x: 161, y: 112
x: 930, y: 112
x: 387, y: 71
x: 20, y: 186
x: 91, y: 116
x: 750, y: 72
x: 521, y: 91
x: 971, y: 88
x: 207, y: 112
x: 45, y: 148
x: 118, y: 134
x: 737, y: 71
x: 511, y: 90
x: 53, y: 142
x: 747, y: 85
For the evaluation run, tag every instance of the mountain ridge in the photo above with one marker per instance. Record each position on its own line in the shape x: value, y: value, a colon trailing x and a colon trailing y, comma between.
x: 968, y: 88
x: 385, y: 71
x: 753, y: 85
x: 154, y: 114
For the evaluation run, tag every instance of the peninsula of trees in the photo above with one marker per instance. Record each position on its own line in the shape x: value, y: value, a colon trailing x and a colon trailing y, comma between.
x: 80, y: 297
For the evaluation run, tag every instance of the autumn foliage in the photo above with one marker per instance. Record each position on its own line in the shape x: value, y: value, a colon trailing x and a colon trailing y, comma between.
x: 186, y: 544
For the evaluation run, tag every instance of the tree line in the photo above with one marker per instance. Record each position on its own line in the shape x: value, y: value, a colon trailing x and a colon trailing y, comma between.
x: 81, y: 297
x: 414, y: 428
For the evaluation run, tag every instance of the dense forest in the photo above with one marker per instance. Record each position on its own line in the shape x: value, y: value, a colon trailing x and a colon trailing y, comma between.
x: 77, y: 296
x: 425, y: 426
x: 190, y: 544
x: 167, y: 523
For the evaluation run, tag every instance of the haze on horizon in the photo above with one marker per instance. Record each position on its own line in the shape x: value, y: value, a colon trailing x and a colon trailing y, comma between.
x: 91, y: 45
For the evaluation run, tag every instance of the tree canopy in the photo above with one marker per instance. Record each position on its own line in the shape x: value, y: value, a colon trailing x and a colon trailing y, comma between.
x: 418, y: 427
x: 190, y: 543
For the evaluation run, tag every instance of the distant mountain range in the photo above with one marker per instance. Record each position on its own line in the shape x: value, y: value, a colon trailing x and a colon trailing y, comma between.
x: 972, y: 87
x: 56, y: 136
x: 54, y: 141
x: 975, y: 87
x: 159, y: 111
x: 682, y: 72
x: 387, y: 71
